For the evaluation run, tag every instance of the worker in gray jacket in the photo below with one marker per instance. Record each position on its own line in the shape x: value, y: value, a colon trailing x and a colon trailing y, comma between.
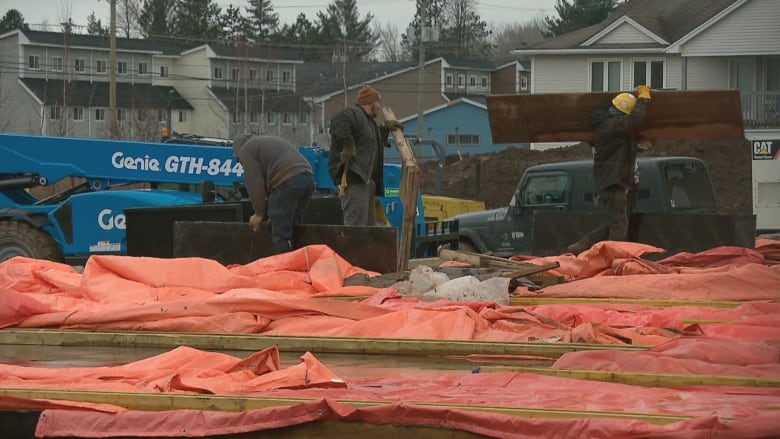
x: 356, y: 161
x: 274, y: 169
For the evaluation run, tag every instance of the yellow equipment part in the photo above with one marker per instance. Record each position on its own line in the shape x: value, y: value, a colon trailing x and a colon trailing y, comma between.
x: 438, y: 208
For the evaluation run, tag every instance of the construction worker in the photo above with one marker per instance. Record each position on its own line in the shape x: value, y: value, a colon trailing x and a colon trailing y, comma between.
x: 356, y: 158
x: 274, y: 168
x: 614, y: 164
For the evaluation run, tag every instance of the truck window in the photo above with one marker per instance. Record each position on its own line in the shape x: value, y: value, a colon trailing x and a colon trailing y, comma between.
x: 689, y: 186
x: 546, y: 189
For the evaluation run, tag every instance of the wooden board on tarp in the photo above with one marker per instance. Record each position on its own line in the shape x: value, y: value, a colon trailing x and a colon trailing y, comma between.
x: 371, y: 248
x: 564, y: 117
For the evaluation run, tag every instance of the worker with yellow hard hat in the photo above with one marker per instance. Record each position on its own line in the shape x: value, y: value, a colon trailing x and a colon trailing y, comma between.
x: 615, y: 147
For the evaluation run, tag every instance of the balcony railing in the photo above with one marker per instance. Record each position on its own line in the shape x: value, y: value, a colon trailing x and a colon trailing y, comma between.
x: 761, y: 109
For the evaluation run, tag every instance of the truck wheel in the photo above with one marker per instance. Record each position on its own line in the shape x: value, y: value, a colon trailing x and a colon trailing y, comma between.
x: 467, y: 246
x: 22, y: 239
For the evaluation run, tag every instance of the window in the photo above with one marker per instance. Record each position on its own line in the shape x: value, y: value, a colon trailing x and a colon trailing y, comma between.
x: 217, y: 72
x: 269, y: 75
x: 233, y: 74
x: 101, y: 66
x: 55, y: 112
x: 484, y: 82
x: 34, y: 62
x: 472, y: 81
x: 448, y: 80
x: 182, y: 116
x: 463, y: 139
x: 546, y: 189
x: 79, y: 65
x: 254, y: 117
x: 78, y: 113
x: 56, y: 64
x: 605, y: 76
x: 143, y: 68
x: 461, y: 81
x: 100, y: 114
x: 650, y: 73
x: 303, y: 118
x: 120, y: 114
x: 524, y: 82
x: 162, y: 115
x: 253, y: 74
x: 121, y: 67
x: 236, y: 117
x: 271, y: 118
x: 288, y: 118
x: 163, y: 71
x: 286, y: 75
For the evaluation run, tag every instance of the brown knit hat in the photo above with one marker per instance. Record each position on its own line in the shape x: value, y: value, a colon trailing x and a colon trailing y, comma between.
x: 367, y: 95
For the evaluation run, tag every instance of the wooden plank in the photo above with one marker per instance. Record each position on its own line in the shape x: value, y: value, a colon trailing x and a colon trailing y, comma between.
x: 531, y: 301
x: 646, y: 379
x: 480, y: 260
x: 238, y: 403
x: 410, y: 186
x: 255, y: 342
x: 672, y: 115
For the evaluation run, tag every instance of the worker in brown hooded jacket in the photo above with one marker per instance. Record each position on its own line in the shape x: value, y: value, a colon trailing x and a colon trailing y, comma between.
x: 614, y: 164
x: 356, y: 161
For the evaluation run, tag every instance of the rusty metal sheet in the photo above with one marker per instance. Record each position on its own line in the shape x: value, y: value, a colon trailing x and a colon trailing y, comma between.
x: 674, y: 232
x: 672, y: 115
x: 372, y: 248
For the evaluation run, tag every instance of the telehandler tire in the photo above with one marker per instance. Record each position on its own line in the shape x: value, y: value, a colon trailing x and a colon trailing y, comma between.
x: 18, y: 238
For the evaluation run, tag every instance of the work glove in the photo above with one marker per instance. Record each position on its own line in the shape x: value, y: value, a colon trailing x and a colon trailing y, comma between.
x: 393, y: 124
x: 255, y: 221
x: 347, y: 154
x: 643, y: 92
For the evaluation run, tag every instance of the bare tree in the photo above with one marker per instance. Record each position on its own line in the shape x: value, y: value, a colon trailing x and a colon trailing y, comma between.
x: 389, y: 47
x: 508, y: 37
x: 127, y: 18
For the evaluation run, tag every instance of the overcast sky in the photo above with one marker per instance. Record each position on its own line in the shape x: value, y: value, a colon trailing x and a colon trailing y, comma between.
x: 397, y: 12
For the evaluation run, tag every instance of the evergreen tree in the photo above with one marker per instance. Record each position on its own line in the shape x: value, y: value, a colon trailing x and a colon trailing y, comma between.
x: 342, y: 29
x: 577, y: 15
x: 95, y: 27
x: 196, y: 22
x: 467, y: 35
x: 262, y: 19
x: 156, y: 19
x: 304, y: 36
x: 13, y: 19
x: 235, y: 27
x: 435, y: 19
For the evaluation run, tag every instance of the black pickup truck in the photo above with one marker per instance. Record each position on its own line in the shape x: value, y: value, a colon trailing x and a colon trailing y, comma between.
x: 555, y: 203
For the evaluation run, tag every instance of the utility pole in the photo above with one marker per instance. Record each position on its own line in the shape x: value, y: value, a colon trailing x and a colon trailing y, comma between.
x: 421, y: 74
x: 112, y: 80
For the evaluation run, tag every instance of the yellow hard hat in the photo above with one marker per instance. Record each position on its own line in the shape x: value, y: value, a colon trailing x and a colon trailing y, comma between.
x: 624, y: 102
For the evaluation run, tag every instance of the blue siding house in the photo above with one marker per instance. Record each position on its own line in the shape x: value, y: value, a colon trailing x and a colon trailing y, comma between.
x: 457, y: 128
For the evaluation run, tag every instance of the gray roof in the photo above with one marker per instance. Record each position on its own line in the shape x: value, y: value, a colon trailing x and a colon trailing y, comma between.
x: 96, y: 94
x: 281, y: 102
x: 320, y: 79
x: 480, y: 99
x: 668, y: 19
x: 257, y: 52
x: 98, y: 42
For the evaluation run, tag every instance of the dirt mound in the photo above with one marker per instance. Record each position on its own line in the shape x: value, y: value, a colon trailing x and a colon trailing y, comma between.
x: 492, y: 178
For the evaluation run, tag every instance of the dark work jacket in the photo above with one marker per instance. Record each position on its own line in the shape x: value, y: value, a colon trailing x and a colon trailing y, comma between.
x: 350, y: 127
x: 615, y: 143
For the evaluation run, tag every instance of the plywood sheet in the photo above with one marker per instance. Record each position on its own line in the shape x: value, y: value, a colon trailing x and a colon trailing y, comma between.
x: 672, y: 115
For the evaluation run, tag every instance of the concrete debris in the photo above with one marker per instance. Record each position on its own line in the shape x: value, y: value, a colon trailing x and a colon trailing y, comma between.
x: 431, y: 285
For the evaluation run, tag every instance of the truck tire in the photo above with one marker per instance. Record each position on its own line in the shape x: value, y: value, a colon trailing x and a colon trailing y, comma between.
x: 18, y: 238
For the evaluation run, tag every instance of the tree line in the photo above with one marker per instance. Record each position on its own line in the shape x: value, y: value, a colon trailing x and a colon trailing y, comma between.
x: 451, y: 28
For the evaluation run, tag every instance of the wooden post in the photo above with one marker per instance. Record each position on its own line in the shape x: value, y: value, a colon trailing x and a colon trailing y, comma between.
x: 410, y: 186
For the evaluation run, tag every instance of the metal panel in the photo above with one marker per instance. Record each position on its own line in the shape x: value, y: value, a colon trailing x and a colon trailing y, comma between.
x: 672, y: 115
x: 372, y: 248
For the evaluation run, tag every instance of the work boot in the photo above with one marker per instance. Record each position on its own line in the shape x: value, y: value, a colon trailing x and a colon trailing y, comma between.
x: 578, y: 247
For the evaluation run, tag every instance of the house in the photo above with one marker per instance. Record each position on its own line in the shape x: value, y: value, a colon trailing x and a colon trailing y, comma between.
x: 672, y: 44
x: 445, y: 81
x: 59, y: 84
